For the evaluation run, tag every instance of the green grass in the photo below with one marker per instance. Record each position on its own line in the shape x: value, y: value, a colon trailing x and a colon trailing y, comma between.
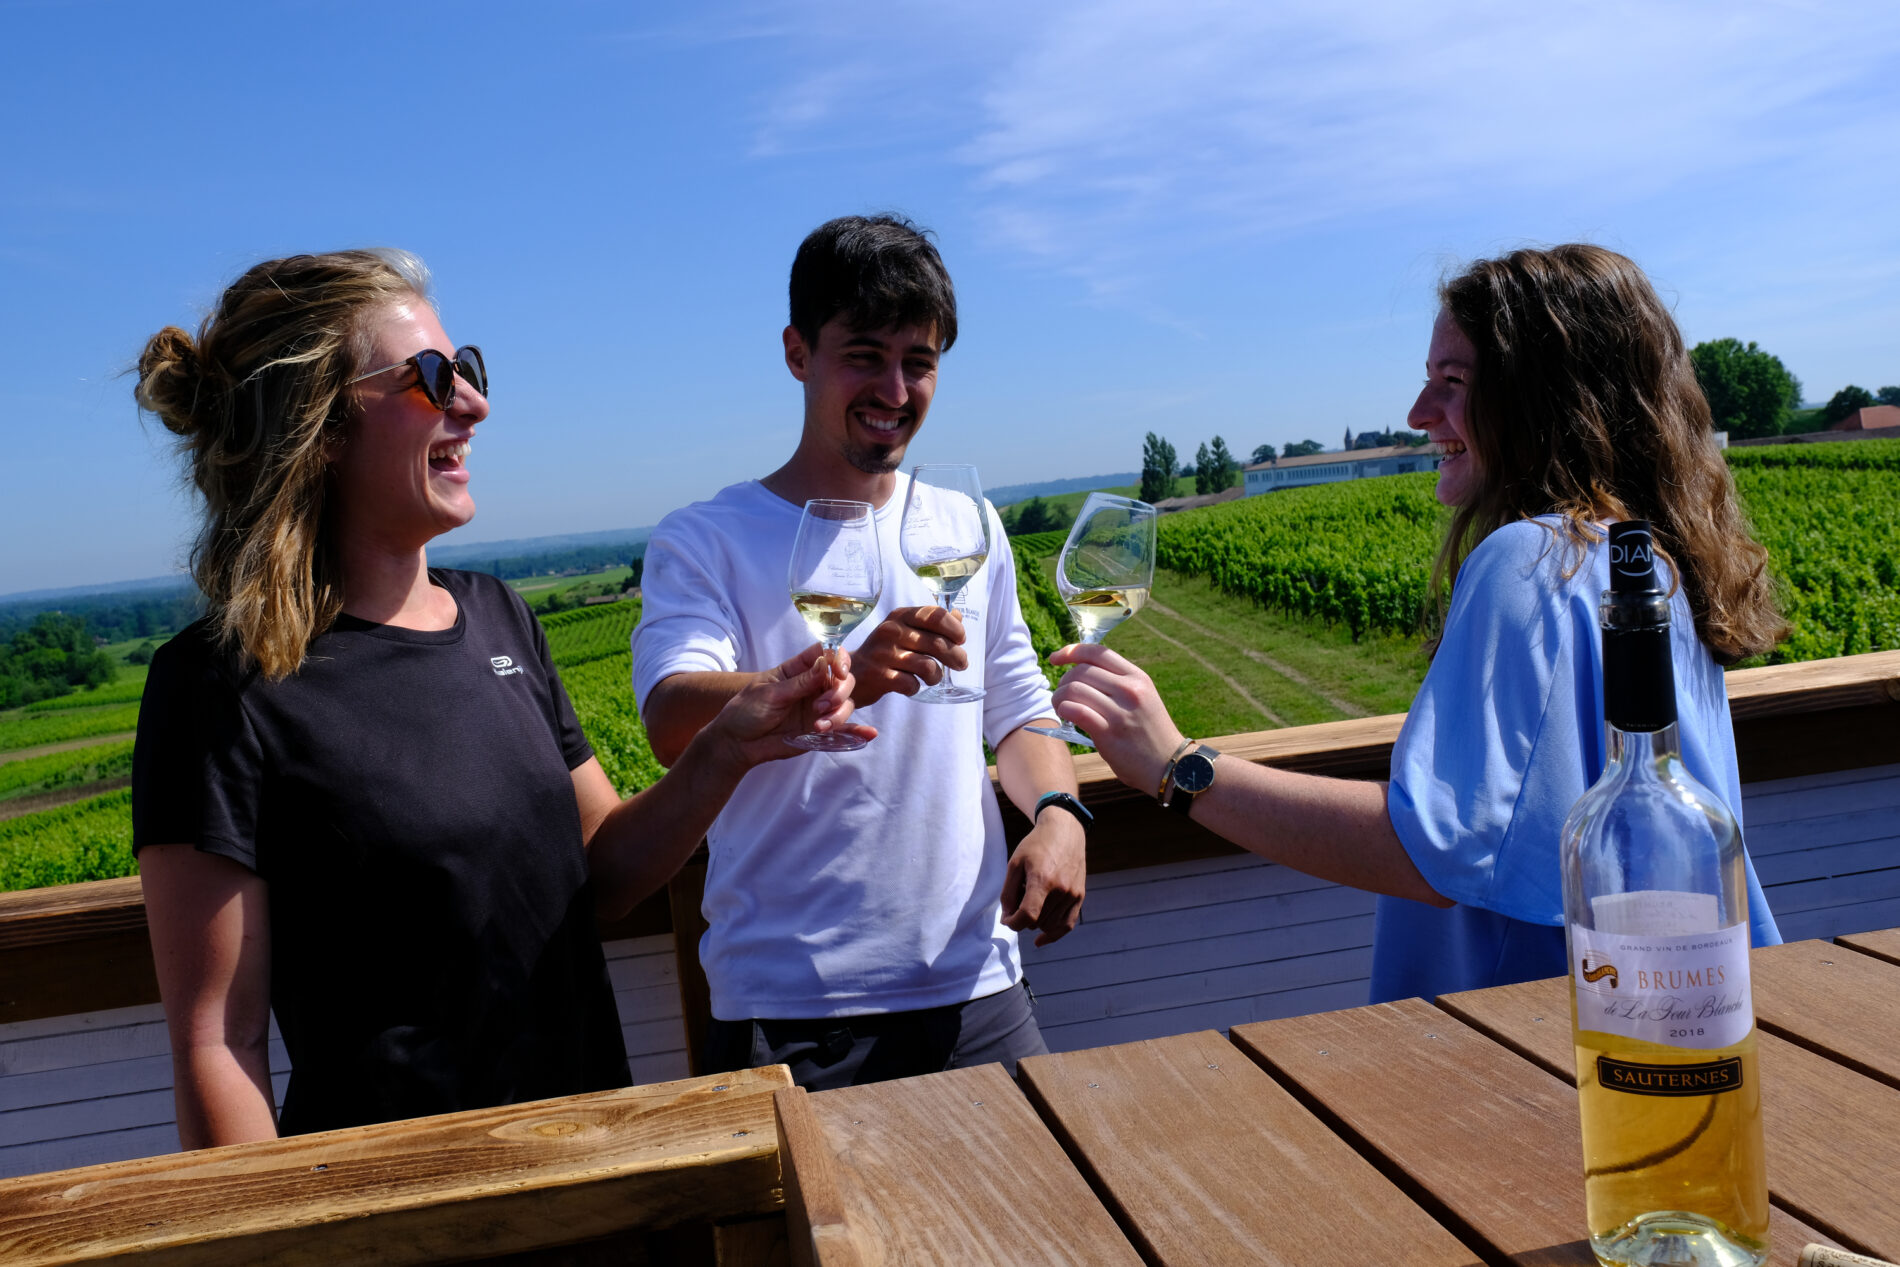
x: 87, y: 840
x: 540, y: 586
x: 1194, y: 641
x: 129, y: 689
x: 77, y: 767
x: 119, y: 650
x: 30, y: 730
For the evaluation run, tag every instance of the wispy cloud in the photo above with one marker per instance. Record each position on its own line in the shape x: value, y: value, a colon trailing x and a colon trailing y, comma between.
x: 1091, y: 129
x: 1243, y: 118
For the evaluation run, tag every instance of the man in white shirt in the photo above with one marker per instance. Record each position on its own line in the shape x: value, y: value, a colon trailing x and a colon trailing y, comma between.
x: 861, y: 905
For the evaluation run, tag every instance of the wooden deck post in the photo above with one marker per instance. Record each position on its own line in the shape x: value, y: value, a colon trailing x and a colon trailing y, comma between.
x: 684, y: 893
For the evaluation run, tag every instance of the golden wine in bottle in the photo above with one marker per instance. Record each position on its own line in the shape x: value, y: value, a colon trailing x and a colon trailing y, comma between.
x: 1656, y: 916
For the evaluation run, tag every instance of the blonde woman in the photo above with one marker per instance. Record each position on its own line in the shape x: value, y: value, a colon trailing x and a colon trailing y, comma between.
x: 1561, y: 397
x: 360, y: 795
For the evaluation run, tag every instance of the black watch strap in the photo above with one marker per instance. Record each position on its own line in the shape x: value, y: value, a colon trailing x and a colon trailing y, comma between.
x: 1063, y: 800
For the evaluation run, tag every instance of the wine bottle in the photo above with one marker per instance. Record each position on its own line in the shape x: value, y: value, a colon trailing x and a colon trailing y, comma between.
x: 1656, y: 917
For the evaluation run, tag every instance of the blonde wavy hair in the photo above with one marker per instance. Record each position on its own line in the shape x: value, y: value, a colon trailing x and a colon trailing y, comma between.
x: 260, y: 401
x: 1583, y: 403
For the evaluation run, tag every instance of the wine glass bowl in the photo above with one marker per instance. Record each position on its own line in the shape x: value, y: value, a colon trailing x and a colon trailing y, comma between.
x: 945, y: 540
x: 835, y: 577
x: 1104, y: 574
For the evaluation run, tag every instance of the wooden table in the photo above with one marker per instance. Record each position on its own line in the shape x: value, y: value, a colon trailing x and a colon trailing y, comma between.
x: 1404, y: 1132
x: 1435, y: 1135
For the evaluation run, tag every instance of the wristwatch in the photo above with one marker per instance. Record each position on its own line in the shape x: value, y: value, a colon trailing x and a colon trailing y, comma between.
x: 1193, y: 775
x: 1062, y: 800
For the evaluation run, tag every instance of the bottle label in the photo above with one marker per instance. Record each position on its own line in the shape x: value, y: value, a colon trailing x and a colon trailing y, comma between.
x: 1679, y: 990
x: 1709, y: 1077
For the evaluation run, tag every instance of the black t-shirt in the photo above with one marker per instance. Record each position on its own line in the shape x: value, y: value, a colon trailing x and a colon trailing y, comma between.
x: 406, y: 796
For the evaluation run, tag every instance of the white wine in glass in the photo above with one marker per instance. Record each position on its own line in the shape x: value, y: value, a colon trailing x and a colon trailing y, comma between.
x: 835, y: 578
x: 1104, y: 574
x: 945, y: 540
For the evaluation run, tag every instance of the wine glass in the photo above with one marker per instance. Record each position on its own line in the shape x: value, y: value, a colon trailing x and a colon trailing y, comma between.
x: 835, y: 577
x: 1106, y: 569
x: 945, y: 539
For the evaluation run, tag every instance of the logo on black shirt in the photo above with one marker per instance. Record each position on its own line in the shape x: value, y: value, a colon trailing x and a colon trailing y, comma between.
x: 504, y: 665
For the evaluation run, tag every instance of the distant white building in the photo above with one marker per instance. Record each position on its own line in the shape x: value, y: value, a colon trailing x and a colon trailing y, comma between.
x: 1331, y: 468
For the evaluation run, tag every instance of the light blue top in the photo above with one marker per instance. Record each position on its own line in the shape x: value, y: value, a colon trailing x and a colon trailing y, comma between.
x: 1505, y: 735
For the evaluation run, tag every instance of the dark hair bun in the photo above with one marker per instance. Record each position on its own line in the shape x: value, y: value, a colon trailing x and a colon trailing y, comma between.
x: 169, y: 379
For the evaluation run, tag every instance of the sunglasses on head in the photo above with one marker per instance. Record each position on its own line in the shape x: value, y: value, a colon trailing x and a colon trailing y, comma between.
x: 436, y: 373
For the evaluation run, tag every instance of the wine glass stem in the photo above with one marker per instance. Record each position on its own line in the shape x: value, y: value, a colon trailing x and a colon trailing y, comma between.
x: 950, y: 605
x: 831, y: 646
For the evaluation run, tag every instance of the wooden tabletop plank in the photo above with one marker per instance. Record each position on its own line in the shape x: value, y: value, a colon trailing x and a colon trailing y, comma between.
x: 816, y: 1227
x: 955, y: 1167
x: 1482, y: 1137
x: 1843, y: 1005
x: 1484, y: 1140
x: 1205, y: 1159
x: 1833, y: 1135
x: 439, y: 1189
x: 1884, y: 944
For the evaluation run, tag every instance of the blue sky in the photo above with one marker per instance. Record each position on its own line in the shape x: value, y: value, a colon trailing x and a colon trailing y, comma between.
x: 1192, y: 218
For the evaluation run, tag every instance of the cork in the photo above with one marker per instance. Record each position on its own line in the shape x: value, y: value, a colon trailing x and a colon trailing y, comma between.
x: 1826, y: 1256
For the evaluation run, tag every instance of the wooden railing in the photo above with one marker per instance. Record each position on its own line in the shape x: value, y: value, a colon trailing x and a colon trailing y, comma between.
x: 83, y: 947
x: 512, y: 1180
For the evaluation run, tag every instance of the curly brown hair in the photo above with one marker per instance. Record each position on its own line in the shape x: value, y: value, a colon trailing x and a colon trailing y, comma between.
x: 259, y: 400
x: 1583, y: 403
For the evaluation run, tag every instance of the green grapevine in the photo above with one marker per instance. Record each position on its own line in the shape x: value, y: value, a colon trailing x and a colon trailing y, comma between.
x: 591, y: 633
x: 66, y: 769
x: 87, y: 840
x: 30, y: 730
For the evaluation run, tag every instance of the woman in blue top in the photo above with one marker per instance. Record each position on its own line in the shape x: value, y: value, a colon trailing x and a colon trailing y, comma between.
x: 1561, y: 398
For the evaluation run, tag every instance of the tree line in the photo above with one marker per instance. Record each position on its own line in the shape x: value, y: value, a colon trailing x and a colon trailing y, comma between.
x: 115, y: 618
x: 1215, y: 468
x: 1752, y: 394
x: 52, y: 656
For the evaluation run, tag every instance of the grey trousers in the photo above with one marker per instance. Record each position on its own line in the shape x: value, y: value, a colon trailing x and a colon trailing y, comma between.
x: 844, y: 1051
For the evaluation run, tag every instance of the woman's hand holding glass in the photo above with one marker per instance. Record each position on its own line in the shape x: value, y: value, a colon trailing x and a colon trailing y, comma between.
x: 1118, y: 705
x: 806, y: 698
x: 1104, y: 574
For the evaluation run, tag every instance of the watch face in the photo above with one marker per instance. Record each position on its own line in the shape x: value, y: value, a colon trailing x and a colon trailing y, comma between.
x: 1193, y: 773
